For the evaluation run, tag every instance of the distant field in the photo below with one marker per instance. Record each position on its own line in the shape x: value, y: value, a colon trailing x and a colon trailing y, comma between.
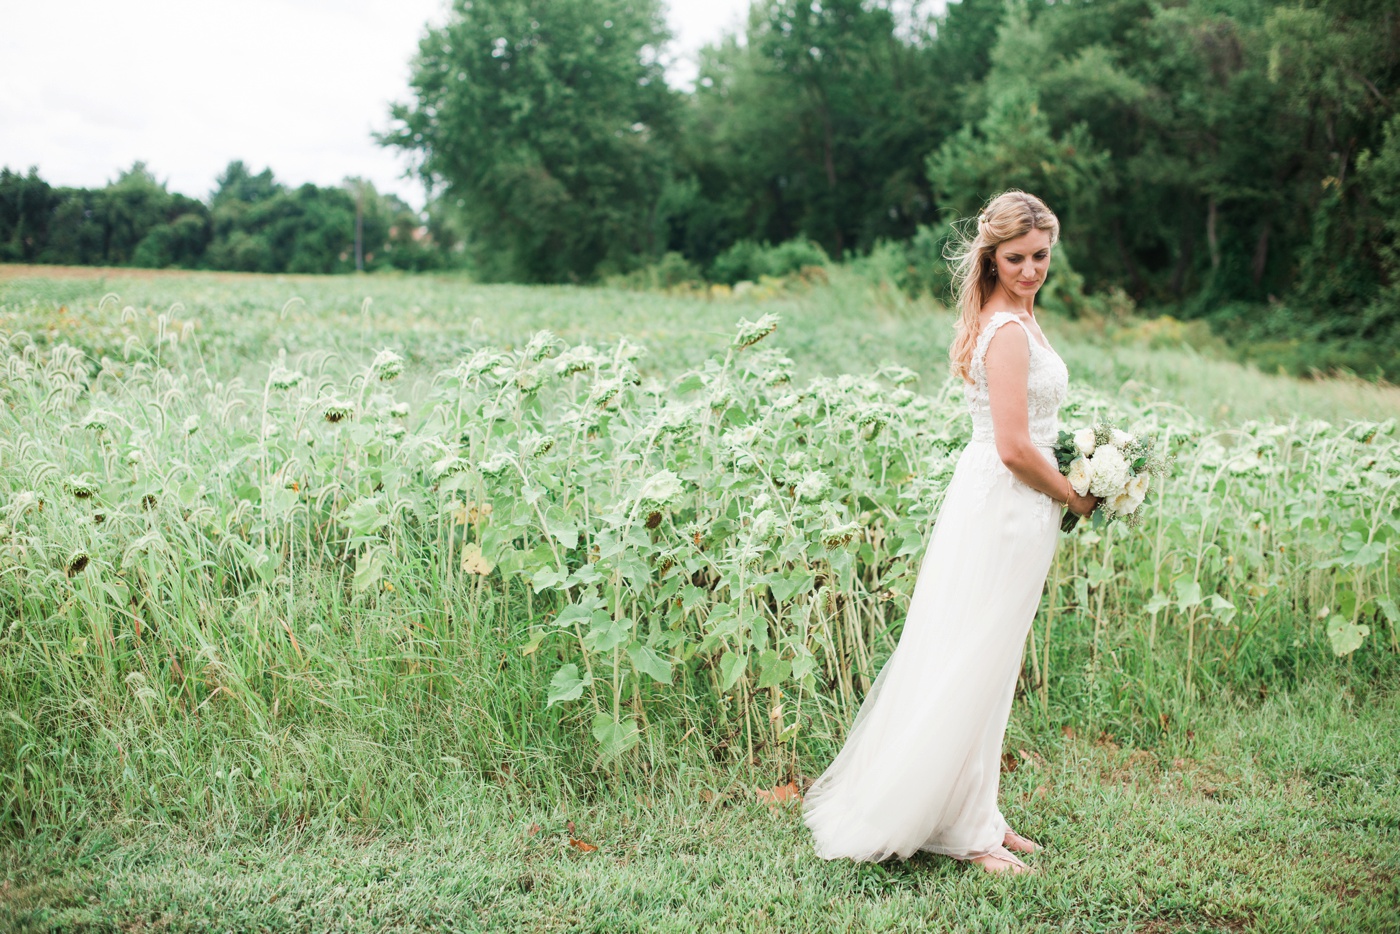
x: 847, y: 328
x: 312, y: 585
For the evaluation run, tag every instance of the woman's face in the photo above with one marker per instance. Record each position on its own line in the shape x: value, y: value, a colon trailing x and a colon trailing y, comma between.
x: 1022, y: 262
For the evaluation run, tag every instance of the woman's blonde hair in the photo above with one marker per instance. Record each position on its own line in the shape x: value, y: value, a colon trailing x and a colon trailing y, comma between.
x: 972, y: 258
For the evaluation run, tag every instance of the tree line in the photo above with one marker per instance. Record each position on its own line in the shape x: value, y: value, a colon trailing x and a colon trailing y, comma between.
x: 1235, y: 160
x: 1231, y: 160
x: 251, y: 223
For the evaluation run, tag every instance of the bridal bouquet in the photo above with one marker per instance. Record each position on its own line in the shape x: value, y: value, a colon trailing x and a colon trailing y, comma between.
x: 1111, y: 464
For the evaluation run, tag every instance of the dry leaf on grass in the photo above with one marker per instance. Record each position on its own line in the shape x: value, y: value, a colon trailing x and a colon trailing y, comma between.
x: 779, y: 795
x: 578, y: 844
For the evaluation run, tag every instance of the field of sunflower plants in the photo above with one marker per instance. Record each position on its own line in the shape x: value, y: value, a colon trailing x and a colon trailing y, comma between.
x: 261, y: 566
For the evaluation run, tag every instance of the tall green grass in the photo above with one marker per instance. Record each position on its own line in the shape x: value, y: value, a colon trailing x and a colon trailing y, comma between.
x: 285, y: 554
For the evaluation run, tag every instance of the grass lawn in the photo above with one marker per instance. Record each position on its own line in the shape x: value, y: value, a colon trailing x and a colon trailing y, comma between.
x: 1279, y: 816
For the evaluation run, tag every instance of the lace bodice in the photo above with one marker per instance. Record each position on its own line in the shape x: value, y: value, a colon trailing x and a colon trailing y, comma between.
x: 1047, y: 384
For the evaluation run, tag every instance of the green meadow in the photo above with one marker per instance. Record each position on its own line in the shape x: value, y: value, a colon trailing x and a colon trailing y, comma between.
x: 400, y: 603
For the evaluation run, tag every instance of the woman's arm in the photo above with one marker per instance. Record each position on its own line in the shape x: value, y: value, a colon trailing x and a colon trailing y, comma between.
x: 1008, y: 367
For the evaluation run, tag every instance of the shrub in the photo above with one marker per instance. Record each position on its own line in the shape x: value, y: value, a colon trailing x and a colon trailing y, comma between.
x: 925, y: 269
x: 748, y: 260
x: 672, y: 271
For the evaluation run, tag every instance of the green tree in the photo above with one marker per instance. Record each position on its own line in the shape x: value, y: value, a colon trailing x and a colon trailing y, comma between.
x: 130, y: 207
x: 550, y: 123
x: 304, y: 230
x: 1330, y: 62
x: 238, y: 185
x: 1368, y: 341
x: 261, y: 225
x: 238, y: 206
x: 180, y: 241
x: 815, y: 126
x: 133, y: 220
x: 1014, y: 145
x: 26, y: 203
x: 76, y: 235
x: 962, y: 40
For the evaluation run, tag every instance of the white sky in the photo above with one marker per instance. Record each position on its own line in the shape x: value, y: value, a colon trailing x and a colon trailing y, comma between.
x: 87, y: 87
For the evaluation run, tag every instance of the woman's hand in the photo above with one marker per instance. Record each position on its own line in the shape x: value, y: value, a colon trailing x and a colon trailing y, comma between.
x: 1083, y: 505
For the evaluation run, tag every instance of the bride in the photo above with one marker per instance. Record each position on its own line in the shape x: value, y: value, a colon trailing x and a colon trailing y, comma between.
x: 921, y: 764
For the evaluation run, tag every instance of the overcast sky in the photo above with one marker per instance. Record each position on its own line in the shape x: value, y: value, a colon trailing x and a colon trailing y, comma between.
x: 87, y: 87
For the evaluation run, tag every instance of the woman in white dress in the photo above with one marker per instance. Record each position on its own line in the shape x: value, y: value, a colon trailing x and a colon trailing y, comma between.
x: 921, y: 763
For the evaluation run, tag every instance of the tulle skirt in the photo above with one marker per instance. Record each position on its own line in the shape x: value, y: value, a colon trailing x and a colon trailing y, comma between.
x: 921, y: 763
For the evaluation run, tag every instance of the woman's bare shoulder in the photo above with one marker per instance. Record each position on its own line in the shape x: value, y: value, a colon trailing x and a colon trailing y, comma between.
x: 989, y: 313
x: 1017, y: 339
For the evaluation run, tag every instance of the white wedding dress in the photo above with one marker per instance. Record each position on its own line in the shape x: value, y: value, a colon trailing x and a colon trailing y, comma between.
x: 921, y: 764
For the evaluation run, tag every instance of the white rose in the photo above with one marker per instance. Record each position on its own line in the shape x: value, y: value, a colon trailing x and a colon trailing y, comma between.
x: 1084, y: 440
x: 1138, y: 485
x: 1110, y: 472
x: 1137, y: 489
x: 1081, y: 472
x: 1121, y: 437
x: 1124, y: 504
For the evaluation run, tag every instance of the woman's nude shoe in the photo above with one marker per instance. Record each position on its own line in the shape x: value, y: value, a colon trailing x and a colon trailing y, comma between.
x: 1016, y: 843
x: 1000, y: 859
